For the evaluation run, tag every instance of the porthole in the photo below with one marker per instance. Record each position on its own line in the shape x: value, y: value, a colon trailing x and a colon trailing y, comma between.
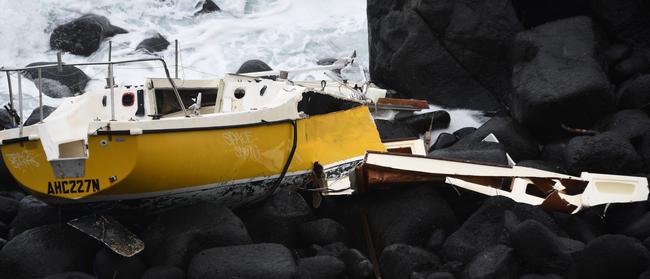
x: 128, y: 99
x: 239, y: 93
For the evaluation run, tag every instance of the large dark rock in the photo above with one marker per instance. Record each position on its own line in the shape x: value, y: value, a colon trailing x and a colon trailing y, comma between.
x: 252, y: 66
x: 635, y: 93
x: 602, y: 153
x: 173, y: 238
x: 71, y: 275
x: 644, y: 150
x: 532, y: 13
x: 5, y: 119
x: 45, y: 251
x: 400, y: 260
x: 35, y: 116
x: 208, y: 7
x: 625, y: 20
x: 422, y: 123
x: 163, y: 272
x: 481, y: 152
x: 629, y: 123
x: 8, y: 210
x: 276, y: 220
x: 464, y: 132
x: 583, y: 226
x: 516, y: 139
x: 484, y: 229
x: 321, y: 267
x: 444, y: 140
x: 452, y: 53
x: 357, y: 266
x: 69, y: 82
x: 323, y: 231
x: 390, y: 129
x: 153, y: 44
x: 494, y: 262
x: 612, y: 256
x: 557, y: 76
x: 540, y: 250
x: 408, y: 217
x: 83, y: 35
x: 640, y: 228
x: 109, y: 265
x: 32, y: 213
x: 637, y: 63
x: 264, y: 260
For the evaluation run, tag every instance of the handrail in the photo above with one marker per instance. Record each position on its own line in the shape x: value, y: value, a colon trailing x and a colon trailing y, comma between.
x: 110, y: 63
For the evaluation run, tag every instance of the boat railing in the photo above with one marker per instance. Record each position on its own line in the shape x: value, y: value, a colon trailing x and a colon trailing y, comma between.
x: 59, y: 64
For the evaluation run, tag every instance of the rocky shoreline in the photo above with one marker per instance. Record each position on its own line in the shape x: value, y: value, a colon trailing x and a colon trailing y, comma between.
x: 567, y: 85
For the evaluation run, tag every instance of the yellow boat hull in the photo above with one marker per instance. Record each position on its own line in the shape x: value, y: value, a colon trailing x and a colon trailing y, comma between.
x: 215, y: 162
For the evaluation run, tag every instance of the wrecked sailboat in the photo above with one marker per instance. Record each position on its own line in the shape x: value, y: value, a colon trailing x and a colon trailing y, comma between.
x: 142, y: 146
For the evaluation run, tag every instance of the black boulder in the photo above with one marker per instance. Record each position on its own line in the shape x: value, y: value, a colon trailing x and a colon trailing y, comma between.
x: 83, y: 35
x: 153, y: 44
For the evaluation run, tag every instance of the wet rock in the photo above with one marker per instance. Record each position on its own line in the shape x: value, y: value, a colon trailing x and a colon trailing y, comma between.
x: 408, y: 216
x: 276, y: 220
x: 616, y: 53
x: 46, y: 250
x: 554, y: 152
x: 269, y: 261
x: 549, y: 90
x: 400, y: 260
x: 541, y: 276
x: 153, y: 44
x: 5, y: 119
x: 320, y: 267
x: 427, y: 121
x: 612, y: 256
x: 603, y: 153
x: 516, y: 139
x: 32, y: 213
x: 3, y: 242
x: 252, y: 66
x: 4, y: 230
x: 69, y: 82
x: 109, y: 265
x: 173, y: 238
x: 389, y: 129
x: 481, y: 152
x: 624, y: 20
x: 326, y: 61
x: 8, y: 209
x: 485, y: 228
x: 640, y: 228
x: 335, y: 249
x: 436, y: 240
x: 83, y: 35
x: 644, y: 150
x: 494, y: 262
x: 525, y: 211
x: 539, y: 249
x: 635, y: 93
x: 532, y: 13
x: 629, y: 123
x: 638, y: 62
x: 208, y: 7
x: 464, y: 132
x: 444, y: 140
x: 71, y: 275
x: 452, y: 53
x: 163, y: 272
x: 357, y: 266
x: 584, y: 226
x: 35, y: 116
x: 323, y: 231
x: 542, y: 165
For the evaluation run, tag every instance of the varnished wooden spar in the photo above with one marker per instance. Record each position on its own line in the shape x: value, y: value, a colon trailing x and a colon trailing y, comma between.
x: 552, y: 191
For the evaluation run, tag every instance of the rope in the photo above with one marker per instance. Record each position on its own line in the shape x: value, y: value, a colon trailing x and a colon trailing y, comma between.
x: 287, y: 163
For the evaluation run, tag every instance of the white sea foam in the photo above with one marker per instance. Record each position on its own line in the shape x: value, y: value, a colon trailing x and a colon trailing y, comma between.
x: 285, y: 34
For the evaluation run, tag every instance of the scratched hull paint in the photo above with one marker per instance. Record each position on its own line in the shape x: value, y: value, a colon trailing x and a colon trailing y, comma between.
x: 166, y: 167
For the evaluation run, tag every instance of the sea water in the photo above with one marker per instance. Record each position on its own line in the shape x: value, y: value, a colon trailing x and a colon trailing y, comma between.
x: 286, y: 34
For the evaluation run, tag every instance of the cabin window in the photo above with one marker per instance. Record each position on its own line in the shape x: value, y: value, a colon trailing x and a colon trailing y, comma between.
x: 166, y: 102
x: 128, y: 99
